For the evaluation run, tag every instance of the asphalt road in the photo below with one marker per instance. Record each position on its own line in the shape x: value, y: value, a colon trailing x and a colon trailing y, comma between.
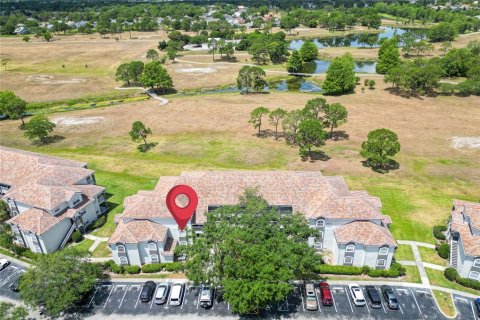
x: 118, y: 301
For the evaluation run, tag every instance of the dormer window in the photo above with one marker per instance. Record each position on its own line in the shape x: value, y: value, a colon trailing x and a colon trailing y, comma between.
x: 476, y: 262
x: 320, y: 223
x: 76, y: 201
x: 350, y: 248
x: 152, y: 246
x: 120, y: 248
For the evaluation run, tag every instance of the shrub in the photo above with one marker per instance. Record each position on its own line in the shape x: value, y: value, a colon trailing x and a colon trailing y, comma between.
x: 99, y: 223
x: 132, y: 269
x: 451, y: 274
x: 396, y: 270
x: 444, y: 250
x: 77, y: 236
x: 173, y: 266
x: 342, y: 270
x: 438, y: 232
x: 152, y: 268
x: 29, y: 254
x: 117, y: 269
x: 107, y: 265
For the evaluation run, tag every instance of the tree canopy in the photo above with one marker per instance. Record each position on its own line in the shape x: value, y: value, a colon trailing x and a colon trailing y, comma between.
x: 58, y: 281
x: 310, y: 134
x: 39, y: 127
x: 12, y: 106
x: 340, y: 76
x: 139, y: 132
x: 380, y: 146
x: 253, y: 251
x: 256, y: 117
x: 156, y: 77
x: 251, y: 77
x: 388, y: 56
x: 294, y: 62
x: 308, y: 51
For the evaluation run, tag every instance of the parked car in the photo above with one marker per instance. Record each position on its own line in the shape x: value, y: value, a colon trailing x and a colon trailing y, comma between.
x: 326, y: 294
x: 4, y: 263
x: 206, y: 296
x: 390, y: 297
x: 15, y: 286
x: 477, y: 306
x: 147, y: 291
x: 176, y: 297
x: 311, y: 297
x: 374, y: 296
x: 161, y: 295
x: 357, y: 294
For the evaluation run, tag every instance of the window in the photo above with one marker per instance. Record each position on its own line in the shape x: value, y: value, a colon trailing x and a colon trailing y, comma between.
x: 120, y: 248
x: 152, y: 246
x: 474, y: 275
x: 383, y: 251
x: 350, y: 248
x: 154, y: 258
x: 381, y: 262
x: 320, y: 223
x: 320, y: 234
x: 123, y: 260
x: 318, y: 244
x: 476, y: 262
x: 348, y: 260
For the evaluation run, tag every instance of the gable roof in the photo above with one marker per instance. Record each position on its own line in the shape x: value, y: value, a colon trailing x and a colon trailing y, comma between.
x: 35, y: 220
x: 308, y: 192
x: 471, y: 242
x: 364, y: 232
x: 137, y: 231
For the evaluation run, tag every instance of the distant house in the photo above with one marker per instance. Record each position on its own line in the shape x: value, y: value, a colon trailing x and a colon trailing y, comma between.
x: 464, y: 236
x: 48, y: 198
x: 352, y: 230
x: 20, y: 29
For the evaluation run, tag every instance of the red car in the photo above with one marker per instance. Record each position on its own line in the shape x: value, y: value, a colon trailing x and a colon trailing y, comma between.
x: 326, y: 294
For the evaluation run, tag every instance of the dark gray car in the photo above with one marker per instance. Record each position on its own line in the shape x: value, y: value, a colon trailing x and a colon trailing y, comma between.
x: 374, y: 296
x: 147, y: 291
x: 390, y: 297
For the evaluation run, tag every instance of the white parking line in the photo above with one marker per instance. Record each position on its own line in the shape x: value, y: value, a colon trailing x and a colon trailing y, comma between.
x: 6, y: 280
x: 108, y: 296
x: 473, y: 311
x: 334, y: 305
x: 400, y: 307
x: 121, y: 301
x: 153, y: 298
x: 416, y: 301
x: 422, y: 291
x: 348, y: 298
x: 317, y: 292
x: 198, y: 300
x: 184, y: 301
x: 93, y: 297
x: 461, y: 299
x: 303, y: 301
x: 138, y: 299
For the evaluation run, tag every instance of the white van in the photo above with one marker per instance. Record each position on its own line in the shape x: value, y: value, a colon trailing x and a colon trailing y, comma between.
x: 176, y: 296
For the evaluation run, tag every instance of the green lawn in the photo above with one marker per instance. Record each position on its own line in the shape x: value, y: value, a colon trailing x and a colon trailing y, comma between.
x: 102, y: 251
x: 84, y: 245
x: 404, y: 252
x: 437, y: 278
x: 431, y: 256
x: 445, y: 302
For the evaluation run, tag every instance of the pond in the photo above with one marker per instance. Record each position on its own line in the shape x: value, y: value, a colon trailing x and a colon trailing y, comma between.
x: 294, y: 84
x: 357, y: 40
x: 321, y: 66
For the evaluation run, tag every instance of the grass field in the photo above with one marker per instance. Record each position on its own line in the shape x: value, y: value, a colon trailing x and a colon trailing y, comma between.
x: 445, y: 302
x: 211, y: 132
x: 84, y: 245
x: 437, y: 278
x: 404, y: 253
x: 431, y: 256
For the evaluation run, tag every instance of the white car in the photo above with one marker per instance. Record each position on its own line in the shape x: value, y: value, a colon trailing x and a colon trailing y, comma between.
x: 357, y: 294
x: 4, y: 263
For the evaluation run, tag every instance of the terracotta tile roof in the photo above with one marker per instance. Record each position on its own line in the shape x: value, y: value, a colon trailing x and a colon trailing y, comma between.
x: 364, y: 232
x: 35, y: 220
x: 138, y: 230
x: 462, y: 209
x: 307, y: 191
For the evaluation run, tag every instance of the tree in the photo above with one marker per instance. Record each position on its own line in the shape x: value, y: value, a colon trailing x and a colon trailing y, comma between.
x: 256, y: 117
x: 308, y: 51
x: 152, y: 54
x: 371, y: 84
x: 11, y: 312
x: 212, y: 45
x: 310, y: 134
x: 290, y: 124
x: 58, y: 281
x: 388, y: 57
x: 447, y: 45
x: 39, y: 127
x: 314, y: 108
x: 259, y: 52
x: 123, y: 73
x: 140, y: 132
x: 26, y: 38
x: 171, y: 53
x: 288, y: 23
x: 380, y: 146
x: 275, y: 117
x: 340, y: 76
x: 294, y: 62
x: 251, y: 77
x: 443, y: 31
x: 228, y: 50
x: 162, y: 45
x: 156, y: 77
x: 47, y: 36
x: 252, y: 250
x: 277, y: 51
x: 4, y: 212
x: 12, y: 106
x: 335, y: 115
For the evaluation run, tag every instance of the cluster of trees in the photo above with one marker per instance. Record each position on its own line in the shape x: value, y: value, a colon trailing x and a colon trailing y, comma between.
x: 249, y: 256
x: 251, y: 77
x: 150, y: 75
x: 308, y: 52
x: 340, y: 78
x: 264, y: 47
x: 304, y: 127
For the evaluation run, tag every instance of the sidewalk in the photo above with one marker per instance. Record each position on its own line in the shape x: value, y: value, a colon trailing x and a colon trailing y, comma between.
x: 96, y: 242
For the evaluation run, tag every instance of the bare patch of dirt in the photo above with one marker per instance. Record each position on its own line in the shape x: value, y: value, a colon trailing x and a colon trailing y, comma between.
x: 465, y: 142
x: 196, y: 70
x: 77, y: 121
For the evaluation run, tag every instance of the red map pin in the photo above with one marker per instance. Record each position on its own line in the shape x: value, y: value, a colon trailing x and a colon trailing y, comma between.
x: 182, y: 215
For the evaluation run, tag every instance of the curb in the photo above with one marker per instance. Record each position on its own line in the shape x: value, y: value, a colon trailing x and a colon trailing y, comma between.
x: 440, y: 309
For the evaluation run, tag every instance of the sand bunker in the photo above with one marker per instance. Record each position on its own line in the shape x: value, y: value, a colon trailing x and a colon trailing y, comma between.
x: 466, y: 142
x: 49, y: 79
x: 75, y: 121
x: 196, y: 70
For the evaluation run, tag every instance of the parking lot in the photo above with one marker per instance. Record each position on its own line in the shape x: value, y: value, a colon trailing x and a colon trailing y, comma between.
x: 7, y: 277
x: 122, y: 299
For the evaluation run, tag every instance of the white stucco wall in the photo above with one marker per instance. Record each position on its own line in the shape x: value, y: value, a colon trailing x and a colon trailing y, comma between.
x: 51, y: 240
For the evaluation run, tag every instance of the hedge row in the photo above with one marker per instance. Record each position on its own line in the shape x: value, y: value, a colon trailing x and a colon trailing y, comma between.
x: 396, y: 270
x: 146, y: 268
x: 152, y: 268
x: 452, y: 275
x: 444, y: 250
x: 438, y: 232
